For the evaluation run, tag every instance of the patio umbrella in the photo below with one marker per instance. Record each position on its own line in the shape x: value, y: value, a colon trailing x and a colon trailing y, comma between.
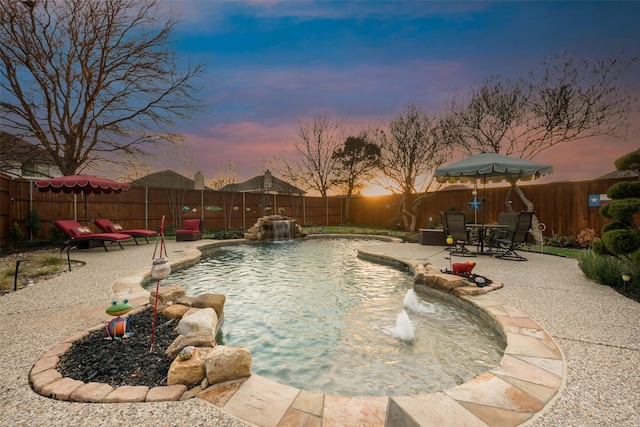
x: 81, y: 184
x: 492, y: 167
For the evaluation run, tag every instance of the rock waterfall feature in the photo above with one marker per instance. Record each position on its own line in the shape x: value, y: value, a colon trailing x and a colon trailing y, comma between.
x: 274, y: 227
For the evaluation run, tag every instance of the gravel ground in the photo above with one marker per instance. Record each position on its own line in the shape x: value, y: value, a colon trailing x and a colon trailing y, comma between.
x: 597, y: 329
x: 37, y: 318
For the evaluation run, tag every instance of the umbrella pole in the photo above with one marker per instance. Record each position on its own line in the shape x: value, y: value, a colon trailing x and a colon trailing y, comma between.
x: 475, y: 200
x: 483, y: 230
x: 484, y: 196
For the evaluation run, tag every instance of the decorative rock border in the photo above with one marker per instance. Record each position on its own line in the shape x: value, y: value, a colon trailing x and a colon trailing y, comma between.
x: 527, y: 378
x: 47, y: 381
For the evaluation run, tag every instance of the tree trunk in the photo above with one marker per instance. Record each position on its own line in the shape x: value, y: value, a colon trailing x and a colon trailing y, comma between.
x: 530, y: 208
x: 347, y: 204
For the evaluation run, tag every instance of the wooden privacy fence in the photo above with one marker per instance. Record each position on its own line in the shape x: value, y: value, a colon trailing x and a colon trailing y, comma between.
x: 562, y: 206
x: 143, y: 207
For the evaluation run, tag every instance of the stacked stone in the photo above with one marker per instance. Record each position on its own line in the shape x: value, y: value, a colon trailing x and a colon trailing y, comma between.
x: 205, y: 362
x: 427, y: 276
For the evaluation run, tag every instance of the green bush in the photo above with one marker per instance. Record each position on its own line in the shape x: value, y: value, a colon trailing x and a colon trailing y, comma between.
x: 15, y: 233
x: 624, y: 190
x: 619, y: 249
x: 56, y: 234
x: 599, y: 248
x: 613, y: 225
x: 621, y: 242
x: 33, y: 222
x: 561, y: 242
x: 395, y: 224
x: 226, y: 234
x: 607, y: 270
x: 622, y: 210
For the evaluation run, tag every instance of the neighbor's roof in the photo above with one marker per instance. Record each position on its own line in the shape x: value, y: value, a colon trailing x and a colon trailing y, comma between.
x: 618, y: 175
x: 14, y: 148
x: 164, y: 179
x: 262, y: 184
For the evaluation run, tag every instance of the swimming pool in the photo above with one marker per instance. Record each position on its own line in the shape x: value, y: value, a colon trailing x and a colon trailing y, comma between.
x: 317, y: 317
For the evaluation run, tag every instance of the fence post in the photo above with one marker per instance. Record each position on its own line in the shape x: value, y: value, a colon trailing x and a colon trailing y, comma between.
x: 146, y: 208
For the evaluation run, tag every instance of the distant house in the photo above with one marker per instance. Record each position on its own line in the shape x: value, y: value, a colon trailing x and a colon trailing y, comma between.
x: 171, y: 179
x: 267, y: 184
x: 619, y: 175
x: 21, y: 159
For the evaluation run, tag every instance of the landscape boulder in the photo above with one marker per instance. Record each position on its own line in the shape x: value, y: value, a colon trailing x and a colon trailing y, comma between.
x: 198, y: 319
x: 196, y: 339
x: 188, y: 372
x: 167, y: 294
x: 225, y: 363
x: 175, y: 311
x: 215, y: 301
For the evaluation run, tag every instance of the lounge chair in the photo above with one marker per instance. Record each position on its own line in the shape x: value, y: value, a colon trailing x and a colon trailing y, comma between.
x: 82, y: 237
x: 454, y: 225
x: 109, y: 227
x: 505, y: 244
x: 190, y: 232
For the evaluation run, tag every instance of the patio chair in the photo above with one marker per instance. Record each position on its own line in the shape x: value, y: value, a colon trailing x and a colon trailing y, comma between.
x: 109, y: 227
x: 505, y: 245
x: 190, y: 232
x: 508, y: 220
x: 454, y: 225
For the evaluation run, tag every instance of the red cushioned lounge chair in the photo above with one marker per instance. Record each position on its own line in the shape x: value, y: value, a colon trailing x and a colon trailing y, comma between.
x: 191, y: 231
x: 109, y: 227
x: 82, y: 237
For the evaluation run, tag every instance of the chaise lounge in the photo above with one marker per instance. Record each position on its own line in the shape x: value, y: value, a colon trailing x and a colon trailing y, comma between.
x: 190, y: 232
x: 82, y: 237
x: 110, y: 227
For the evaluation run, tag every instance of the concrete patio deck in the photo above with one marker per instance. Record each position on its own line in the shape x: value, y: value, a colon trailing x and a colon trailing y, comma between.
x: 597, y: 329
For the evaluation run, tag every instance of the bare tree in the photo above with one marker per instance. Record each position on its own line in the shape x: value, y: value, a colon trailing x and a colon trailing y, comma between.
x: 411, y: 151
x: 565, y: 99
x: 493, y: 116
x: 91, y: 81
x: 356, y: 162
x: 312, y: 164
x: 224, y: 177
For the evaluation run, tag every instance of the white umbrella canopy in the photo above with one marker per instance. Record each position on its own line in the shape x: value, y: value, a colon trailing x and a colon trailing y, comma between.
x: 492, y: 167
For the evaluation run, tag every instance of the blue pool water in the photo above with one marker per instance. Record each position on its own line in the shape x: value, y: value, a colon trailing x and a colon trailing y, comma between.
x: 317, y: 317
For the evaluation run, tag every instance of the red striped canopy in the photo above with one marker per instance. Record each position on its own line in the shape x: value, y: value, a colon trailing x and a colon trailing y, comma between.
x: 87, y: 184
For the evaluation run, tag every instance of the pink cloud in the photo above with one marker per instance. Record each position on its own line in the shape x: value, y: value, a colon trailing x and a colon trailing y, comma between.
x: 246, y: 145
x: 585, y: 160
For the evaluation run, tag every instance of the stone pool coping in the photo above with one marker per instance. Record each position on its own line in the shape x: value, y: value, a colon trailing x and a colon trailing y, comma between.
x: 526, y: 380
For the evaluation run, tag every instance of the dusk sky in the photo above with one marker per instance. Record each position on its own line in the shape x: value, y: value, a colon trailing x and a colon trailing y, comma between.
x: 273, y: 64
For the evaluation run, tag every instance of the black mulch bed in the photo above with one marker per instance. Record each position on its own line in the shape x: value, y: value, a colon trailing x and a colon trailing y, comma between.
x: 125, y: 361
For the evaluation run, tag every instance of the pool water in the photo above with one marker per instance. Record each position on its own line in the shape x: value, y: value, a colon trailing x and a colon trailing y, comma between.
x: 317, y: 317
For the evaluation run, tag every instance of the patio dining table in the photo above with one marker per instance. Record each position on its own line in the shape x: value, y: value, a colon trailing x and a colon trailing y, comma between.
x: 482, y: 235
